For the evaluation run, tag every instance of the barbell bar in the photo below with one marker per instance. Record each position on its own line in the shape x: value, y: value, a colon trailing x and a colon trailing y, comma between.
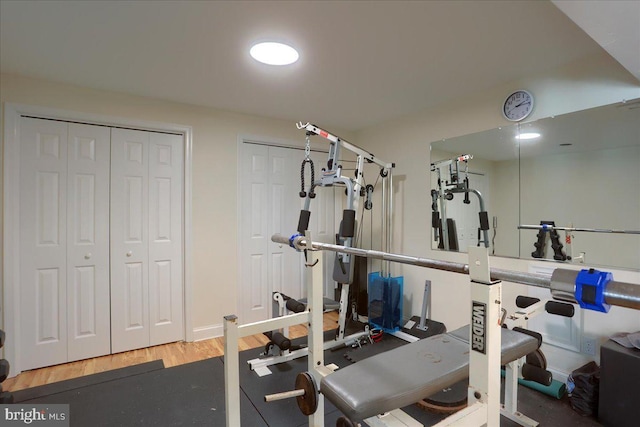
x: 547, y: 227
x: 284, y: 395
x: 562, y: 282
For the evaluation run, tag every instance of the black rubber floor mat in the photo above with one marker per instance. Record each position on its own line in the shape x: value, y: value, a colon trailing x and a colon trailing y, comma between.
x: 191, y: 394
x: 387, y: 343
x: 86, y: 381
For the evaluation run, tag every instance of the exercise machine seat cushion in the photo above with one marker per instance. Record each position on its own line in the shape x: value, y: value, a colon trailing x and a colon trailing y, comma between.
x: 409, y: 373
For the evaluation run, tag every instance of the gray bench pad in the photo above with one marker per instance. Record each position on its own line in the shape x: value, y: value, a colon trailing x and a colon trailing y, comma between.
x: 411, y: 372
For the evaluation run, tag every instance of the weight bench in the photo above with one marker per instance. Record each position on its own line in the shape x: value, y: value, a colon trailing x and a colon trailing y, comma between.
x: 412, y: 372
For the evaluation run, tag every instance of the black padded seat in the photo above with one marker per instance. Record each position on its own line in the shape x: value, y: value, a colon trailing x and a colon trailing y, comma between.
x: 411, y: 372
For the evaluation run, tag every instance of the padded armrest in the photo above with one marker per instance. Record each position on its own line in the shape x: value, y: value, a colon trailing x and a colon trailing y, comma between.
x: 411, y: 372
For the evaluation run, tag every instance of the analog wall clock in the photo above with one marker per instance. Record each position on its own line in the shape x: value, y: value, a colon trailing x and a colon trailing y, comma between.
x: 517, y: 106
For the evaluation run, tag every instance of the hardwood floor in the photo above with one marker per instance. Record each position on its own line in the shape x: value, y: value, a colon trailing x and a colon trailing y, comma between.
x: 172, y: 354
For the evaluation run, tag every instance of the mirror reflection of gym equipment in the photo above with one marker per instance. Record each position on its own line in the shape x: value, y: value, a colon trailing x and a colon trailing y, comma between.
x: 451, y: 179
x: 552, y: 178
x: 548, y: 231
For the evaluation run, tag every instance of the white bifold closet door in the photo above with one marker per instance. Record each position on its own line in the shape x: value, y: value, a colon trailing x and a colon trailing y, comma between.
x: 64, y: 242
x: 146, y: 239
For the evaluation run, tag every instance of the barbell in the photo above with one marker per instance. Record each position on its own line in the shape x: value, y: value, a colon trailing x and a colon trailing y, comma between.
x: 563, y: 283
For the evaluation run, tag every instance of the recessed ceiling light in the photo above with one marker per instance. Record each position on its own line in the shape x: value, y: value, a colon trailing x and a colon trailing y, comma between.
x: 530, y: 135
x: 273, y: 53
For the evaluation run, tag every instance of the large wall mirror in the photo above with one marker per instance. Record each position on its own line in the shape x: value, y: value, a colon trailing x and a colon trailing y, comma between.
x: 563, y: 189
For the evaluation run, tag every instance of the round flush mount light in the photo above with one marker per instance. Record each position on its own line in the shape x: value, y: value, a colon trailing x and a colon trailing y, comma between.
x: 273, y: 53
x: 529, y: 135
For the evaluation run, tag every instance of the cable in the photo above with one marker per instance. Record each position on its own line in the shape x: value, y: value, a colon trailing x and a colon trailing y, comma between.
x: 493, y: 239
x: 359, y: 238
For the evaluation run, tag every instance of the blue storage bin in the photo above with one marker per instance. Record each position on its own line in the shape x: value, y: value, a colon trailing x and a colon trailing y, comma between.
x: 385, y: 302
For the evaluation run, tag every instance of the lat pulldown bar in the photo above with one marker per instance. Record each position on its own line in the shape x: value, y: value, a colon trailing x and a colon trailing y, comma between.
x: 592, y: 289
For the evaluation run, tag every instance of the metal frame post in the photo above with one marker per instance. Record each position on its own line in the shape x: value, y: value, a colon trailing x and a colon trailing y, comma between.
x: 486, y: 335
x: 510, y: 407
x: 484, y: 347
x: 315, y: 358
x: 231, y: 371
x: 426, y: 306
x: 313, y: 317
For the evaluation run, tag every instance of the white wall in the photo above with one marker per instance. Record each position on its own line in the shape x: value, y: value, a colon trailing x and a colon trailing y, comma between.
x: 592, y: 82
x: 215, y: 151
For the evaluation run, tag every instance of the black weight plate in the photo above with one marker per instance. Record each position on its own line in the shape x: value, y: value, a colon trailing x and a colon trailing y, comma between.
x: 536, y: 358
x: 308, y: 403
x: 448, y: 400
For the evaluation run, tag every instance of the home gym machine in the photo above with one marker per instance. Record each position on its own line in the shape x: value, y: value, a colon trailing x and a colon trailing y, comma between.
x: 449, y: 182
x: 355, y: 188
x: 278, y: 349
x: 364, y: 390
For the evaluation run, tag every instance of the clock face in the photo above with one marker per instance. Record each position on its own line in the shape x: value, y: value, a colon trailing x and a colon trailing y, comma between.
x: 518, y: 105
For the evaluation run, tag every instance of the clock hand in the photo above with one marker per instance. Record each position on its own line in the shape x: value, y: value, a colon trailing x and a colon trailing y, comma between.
x: 522, y: 103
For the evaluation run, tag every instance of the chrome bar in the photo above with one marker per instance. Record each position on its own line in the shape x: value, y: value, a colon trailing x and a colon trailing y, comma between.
x: 617, y: 293
x: 589, y: 230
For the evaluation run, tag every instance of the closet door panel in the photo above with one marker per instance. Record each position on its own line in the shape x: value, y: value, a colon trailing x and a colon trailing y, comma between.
x: 285, y: 266
x: 43, y: 234
x: 254, y: 289
x: 129, y: 240
x: 165, y: 238
x: 88, y: 314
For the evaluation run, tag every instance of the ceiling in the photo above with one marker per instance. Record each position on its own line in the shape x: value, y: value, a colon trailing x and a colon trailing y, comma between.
x: 361, y: 62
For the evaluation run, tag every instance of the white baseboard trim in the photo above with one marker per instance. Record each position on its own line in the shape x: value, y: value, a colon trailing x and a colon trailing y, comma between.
x: 208, y: 332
